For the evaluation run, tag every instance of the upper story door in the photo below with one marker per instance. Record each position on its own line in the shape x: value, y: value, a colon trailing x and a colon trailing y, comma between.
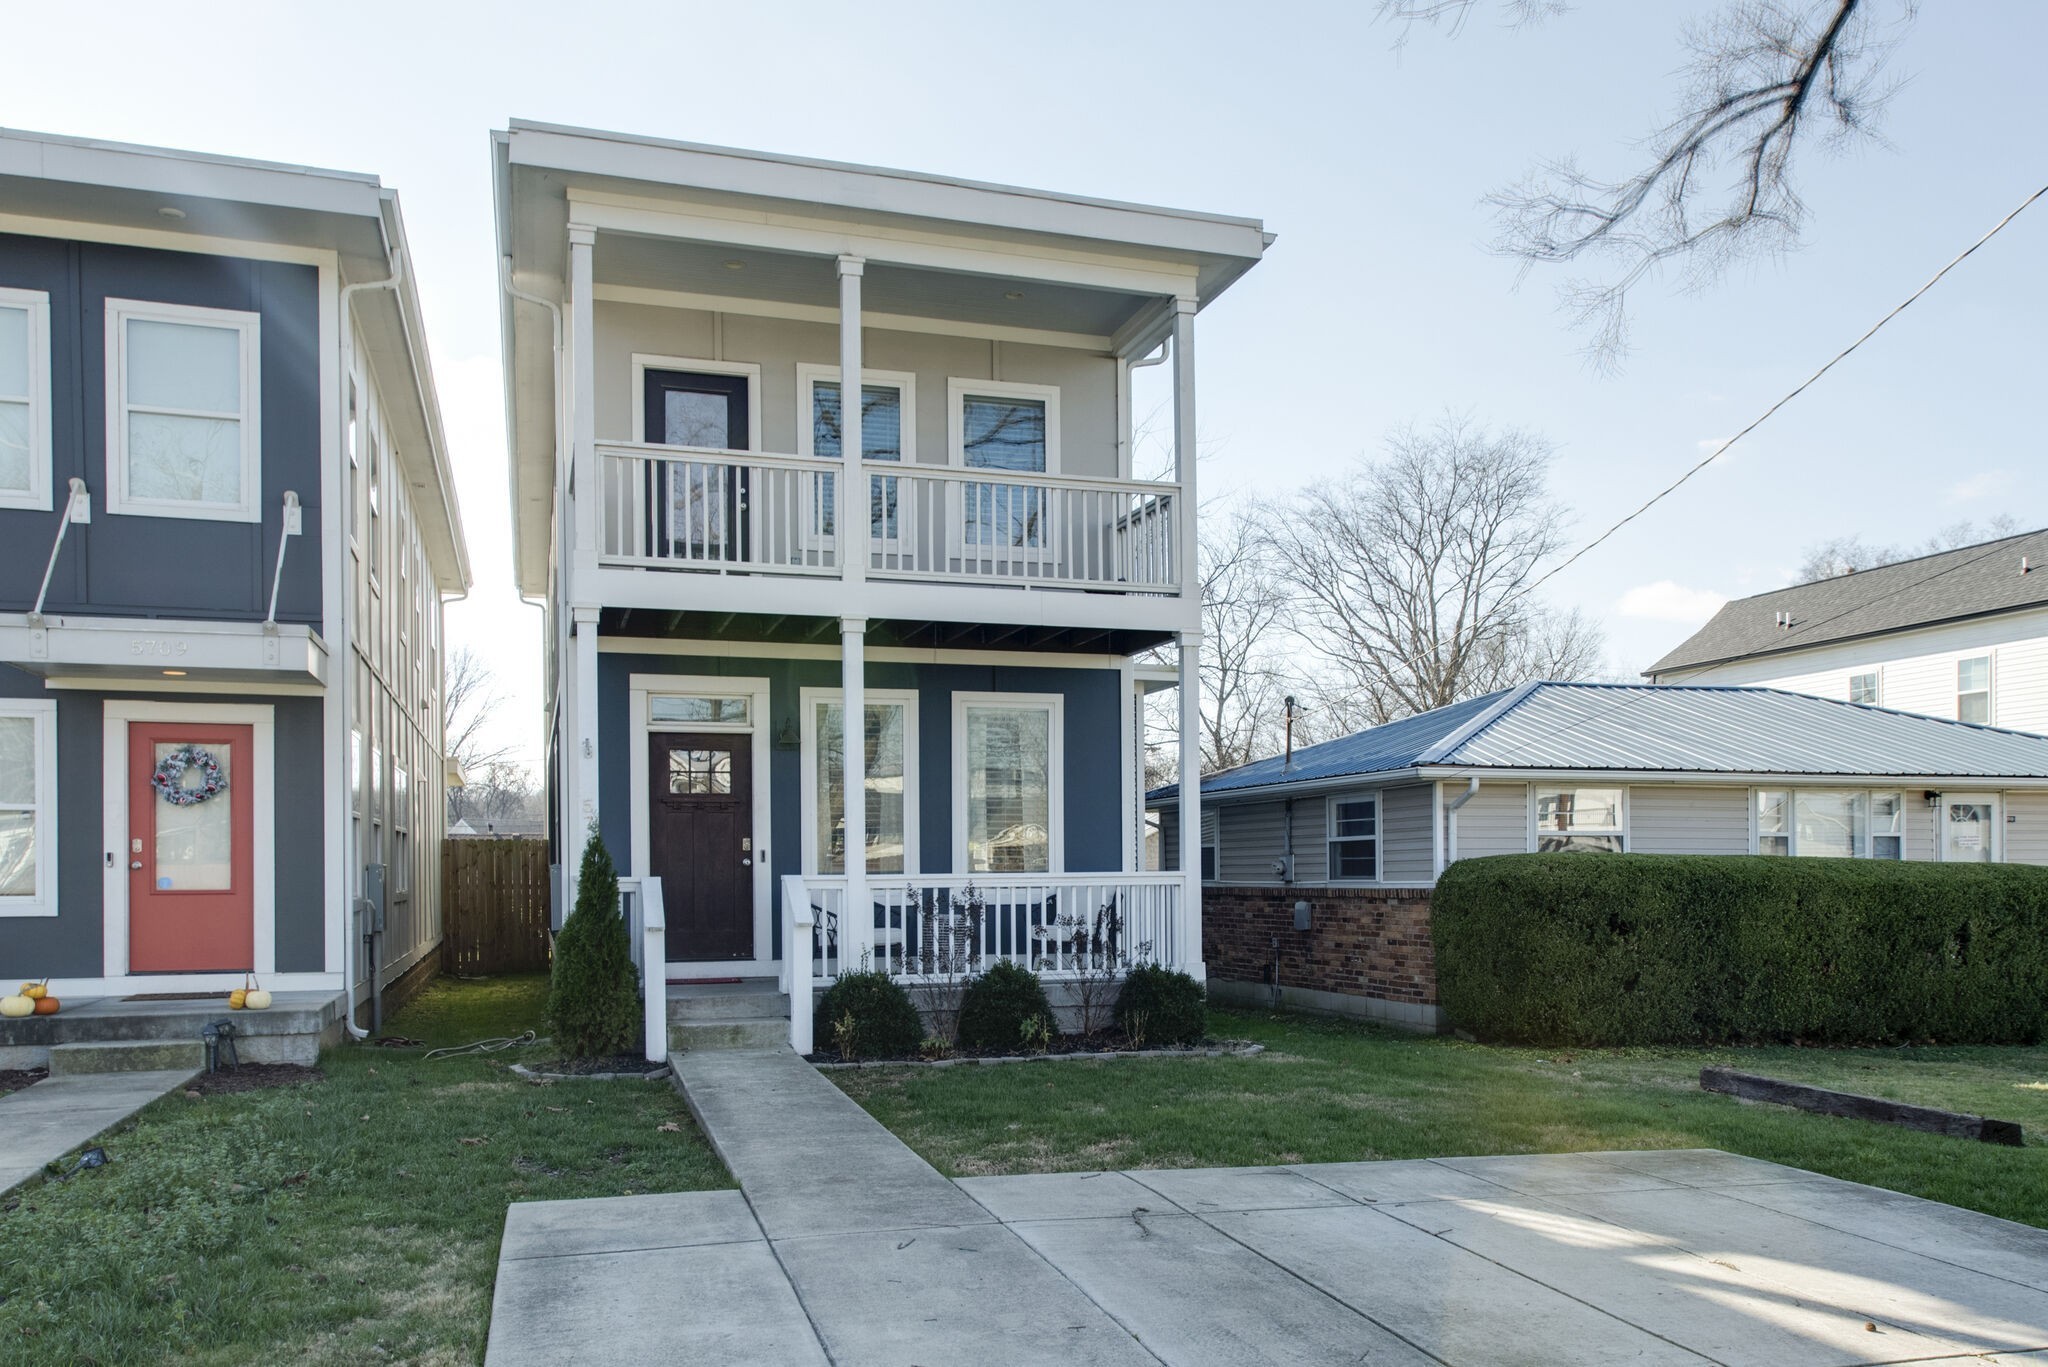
x: 698, y: 508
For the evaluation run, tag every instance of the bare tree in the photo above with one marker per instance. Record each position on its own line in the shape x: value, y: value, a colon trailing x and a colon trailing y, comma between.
x: 1412, y: 576
x: 1767, y: 80
x: 1840, y: 555
x: 1244, y: 607
x: 469, y: 694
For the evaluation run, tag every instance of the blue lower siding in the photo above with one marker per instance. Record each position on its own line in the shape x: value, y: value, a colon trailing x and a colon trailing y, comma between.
x: 1095, y: 776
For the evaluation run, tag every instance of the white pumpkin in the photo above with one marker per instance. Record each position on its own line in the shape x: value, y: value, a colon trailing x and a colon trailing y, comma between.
x: 17, y: 1006
x: 256, y: 1000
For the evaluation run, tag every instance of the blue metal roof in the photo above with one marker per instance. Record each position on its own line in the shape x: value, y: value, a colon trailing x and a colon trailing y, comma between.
x: 1651, y: 728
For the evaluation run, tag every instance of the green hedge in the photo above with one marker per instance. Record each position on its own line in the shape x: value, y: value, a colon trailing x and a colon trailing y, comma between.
x: 1681, y: 949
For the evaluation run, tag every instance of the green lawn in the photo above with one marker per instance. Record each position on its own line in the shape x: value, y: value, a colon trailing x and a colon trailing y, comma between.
x: 1326, y: 1091
x: 342, y: 1222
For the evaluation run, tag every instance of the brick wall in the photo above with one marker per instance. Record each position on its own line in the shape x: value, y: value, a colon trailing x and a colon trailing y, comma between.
x: 1362, y: 942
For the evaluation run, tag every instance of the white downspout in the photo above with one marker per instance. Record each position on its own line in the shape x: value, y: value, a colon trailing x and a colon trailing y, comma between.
x: 1451, y: 810
x: 348, y: 673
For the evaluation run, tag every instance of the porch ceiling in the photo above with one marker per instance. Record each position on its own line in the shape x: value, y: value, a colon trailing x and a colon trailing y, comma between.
x: 920, y: 635
x: 756, y: 273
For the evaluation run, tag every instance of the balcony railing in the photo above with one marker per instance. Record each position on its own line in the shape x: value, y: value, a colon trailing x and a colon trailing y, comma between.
x: 744, y: 512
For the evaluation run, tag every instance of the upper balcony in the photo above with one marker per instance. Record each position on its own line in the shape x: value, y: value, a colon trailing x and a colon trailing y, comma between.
x: 677, y: 321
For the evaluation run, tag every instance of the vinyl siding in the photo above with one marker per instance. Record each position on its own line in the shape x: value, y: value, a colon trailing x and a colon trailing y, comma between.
x: 1495, y: 821
x: 1253, y: 836
x: 1407, y: 855
x: 1311, y: 840
x: 2026, y: 829
x: 1916, y: 669
x: 1673, y: 820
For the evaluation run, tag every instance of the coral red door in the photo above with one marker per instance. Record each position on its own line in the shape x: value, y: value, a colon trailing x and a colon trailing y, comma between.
x: 191, y: 890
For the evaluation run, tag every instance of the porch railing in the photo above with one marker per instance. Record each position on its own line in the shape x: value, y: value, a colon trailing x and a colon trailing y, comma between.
x: 641, y: 907
x: 1062, y: 925
x: 757, y: 513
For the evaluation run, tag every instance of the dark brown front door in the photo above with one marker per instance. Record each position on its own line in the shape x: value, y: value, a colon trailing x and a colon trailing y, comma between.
x: 700, y: 816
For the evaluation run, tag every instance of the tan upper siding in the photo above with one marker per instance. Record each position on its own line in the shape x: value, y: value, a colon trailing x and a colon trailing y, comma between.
x: 1916, y: 669
x: 1495, y: 821
x: 1688, y: 820
x: 2026, y: 828
x: 1087, y: 382
x: 1407, y: 855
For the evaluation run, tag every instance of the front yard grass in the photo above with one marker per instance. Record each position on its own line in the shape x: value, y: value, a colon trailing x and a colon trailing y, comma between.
x: 1327, y: 1091
x: 346, y: 1221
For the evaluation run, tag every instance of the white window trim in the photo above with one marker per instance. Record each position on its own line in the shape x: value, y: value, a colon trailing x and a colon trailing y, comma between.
x: 249, y: 326
x: 642, y: 363
x: 1379, y: 834
x: 808, y: 700
x: 1054, y: 705
x: 42, y: 713
x: 808, y: 376
x: 40, y: 446
x: 1990, y: 797
x: 1870, y: 831
x: 957, y: 391
x: 1876, y: 675
x: 1990, y: 689
x: 1627, y: 837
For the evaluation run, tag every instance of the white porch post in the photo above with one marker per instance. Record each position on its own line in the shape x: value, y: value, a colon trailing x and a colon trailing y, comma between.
x: 582, y: 735
x: 851, y: 512
x: 583, y: 400
x: 856, y: 931
x: 1185, y: 528
x: 1191, y: 802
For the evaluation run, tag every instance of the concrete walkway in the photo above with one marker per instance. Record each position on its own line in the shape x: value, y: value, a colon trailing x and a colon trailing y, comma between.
x: 843, y: 1247
x: 42, y: 1123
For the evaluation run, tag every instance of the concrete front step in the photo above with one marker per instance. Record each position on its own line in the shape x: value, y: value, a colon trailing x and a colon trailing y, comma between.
x: 725, y: 1002
x: 759, y: 1032
x: 126, y: 1056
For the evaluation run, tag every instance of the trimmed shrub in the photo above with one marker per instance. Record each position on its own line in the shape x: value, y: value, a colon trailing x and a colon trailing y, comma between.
x: 593, y: 994
x: 1166, y: 1006
x: 867, y: 1015
x: 996, y: 1005
x: 1690, y: 949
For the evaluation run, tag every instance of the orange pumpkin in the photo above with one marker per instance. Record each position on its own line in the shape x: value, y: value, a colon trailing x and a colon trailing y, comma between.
x: 46, y: 1006
x: 238, y: 998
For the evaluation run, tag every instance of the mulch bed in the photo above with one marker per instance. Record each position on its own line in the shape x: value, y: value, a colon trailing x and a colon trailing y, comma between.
x: 610, y: 1064
x: 14, y: 1079
x: 1106, y: 1043
x: 251, y: 1077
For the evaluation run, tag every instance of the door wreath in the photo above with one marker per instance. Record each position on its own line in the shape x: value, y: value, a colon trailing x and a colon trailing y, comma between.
x: 169, y: 778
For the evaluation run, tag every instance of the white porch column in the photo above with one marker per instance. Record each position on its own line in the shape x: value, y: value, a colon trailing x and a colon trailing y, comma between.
x: 1191, y: 802
x: 851, y: 512
x: 583, y: 393
x: 1184, y: 454
x: 581, y: 759
x: 856, y: 930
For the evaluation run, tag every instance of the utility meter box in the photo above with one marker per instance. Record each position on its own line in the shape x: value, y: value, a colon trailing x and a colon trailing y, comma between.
x: 1301, y: 915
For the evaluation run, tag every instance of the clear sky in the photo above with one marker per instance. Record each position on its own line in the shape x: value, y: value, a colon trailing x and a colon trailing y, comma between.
x: 1378, y: 305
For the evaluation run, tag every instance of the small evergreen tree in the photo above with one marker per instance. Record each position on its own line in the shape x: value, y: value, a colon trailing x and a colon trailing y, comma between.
x: 593, y: 998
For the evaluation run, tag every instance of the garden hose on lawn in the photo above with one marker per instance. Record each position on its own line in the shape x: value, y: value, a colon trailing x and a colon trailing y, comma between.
x: 485, y: 1046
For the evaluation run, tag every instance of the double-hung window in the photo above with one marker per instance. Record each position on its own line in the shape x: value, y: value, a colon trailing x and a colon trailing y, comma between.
x: 888, y: 431
x: 890, y: 759
x: 1007, y: 782
x: 1973, y: 689
x: 182, y: 387
x: 1830, y: 823
x: 1355, y: 836
x: 24, y: 399
x: 1863, y: 688
x: 1211, y: 843
x: 1009, y: 427
x: 1580, y: 819
x: 28, y: 807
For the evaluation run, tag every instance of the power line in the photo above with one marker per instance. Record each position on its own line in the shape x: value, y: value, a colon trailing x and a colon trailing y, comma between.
x: 1802, y: 387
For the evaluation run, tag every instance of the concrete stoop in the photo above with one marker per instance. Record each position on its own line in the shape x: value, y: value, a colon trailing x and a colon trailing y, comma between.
x: 293, y: 1030
x: 126, y: 1056
x: 750, y: 1014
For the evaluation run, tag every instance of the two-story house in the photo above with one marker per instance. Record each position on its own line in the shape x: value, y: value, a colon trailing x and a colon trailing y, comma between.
x: 1962, y: 634
x: 735, y: 558
x: 227, y: 526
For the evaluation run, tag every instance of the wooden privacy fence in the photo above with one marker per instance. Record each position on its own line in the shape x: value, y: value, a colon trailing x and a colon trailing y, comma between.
x: 494, y: 906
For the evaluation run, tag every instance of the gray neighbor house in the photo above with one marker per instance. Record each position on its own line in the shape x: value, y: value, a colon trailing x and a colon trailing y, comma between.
x: 1317, y: 868
x: 227, y: 527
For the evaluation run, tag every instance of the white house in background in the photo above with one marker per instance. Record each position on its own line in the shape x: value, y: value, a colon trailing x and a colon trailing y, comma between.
x: 1962, y: 635
x: 678, y: 320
